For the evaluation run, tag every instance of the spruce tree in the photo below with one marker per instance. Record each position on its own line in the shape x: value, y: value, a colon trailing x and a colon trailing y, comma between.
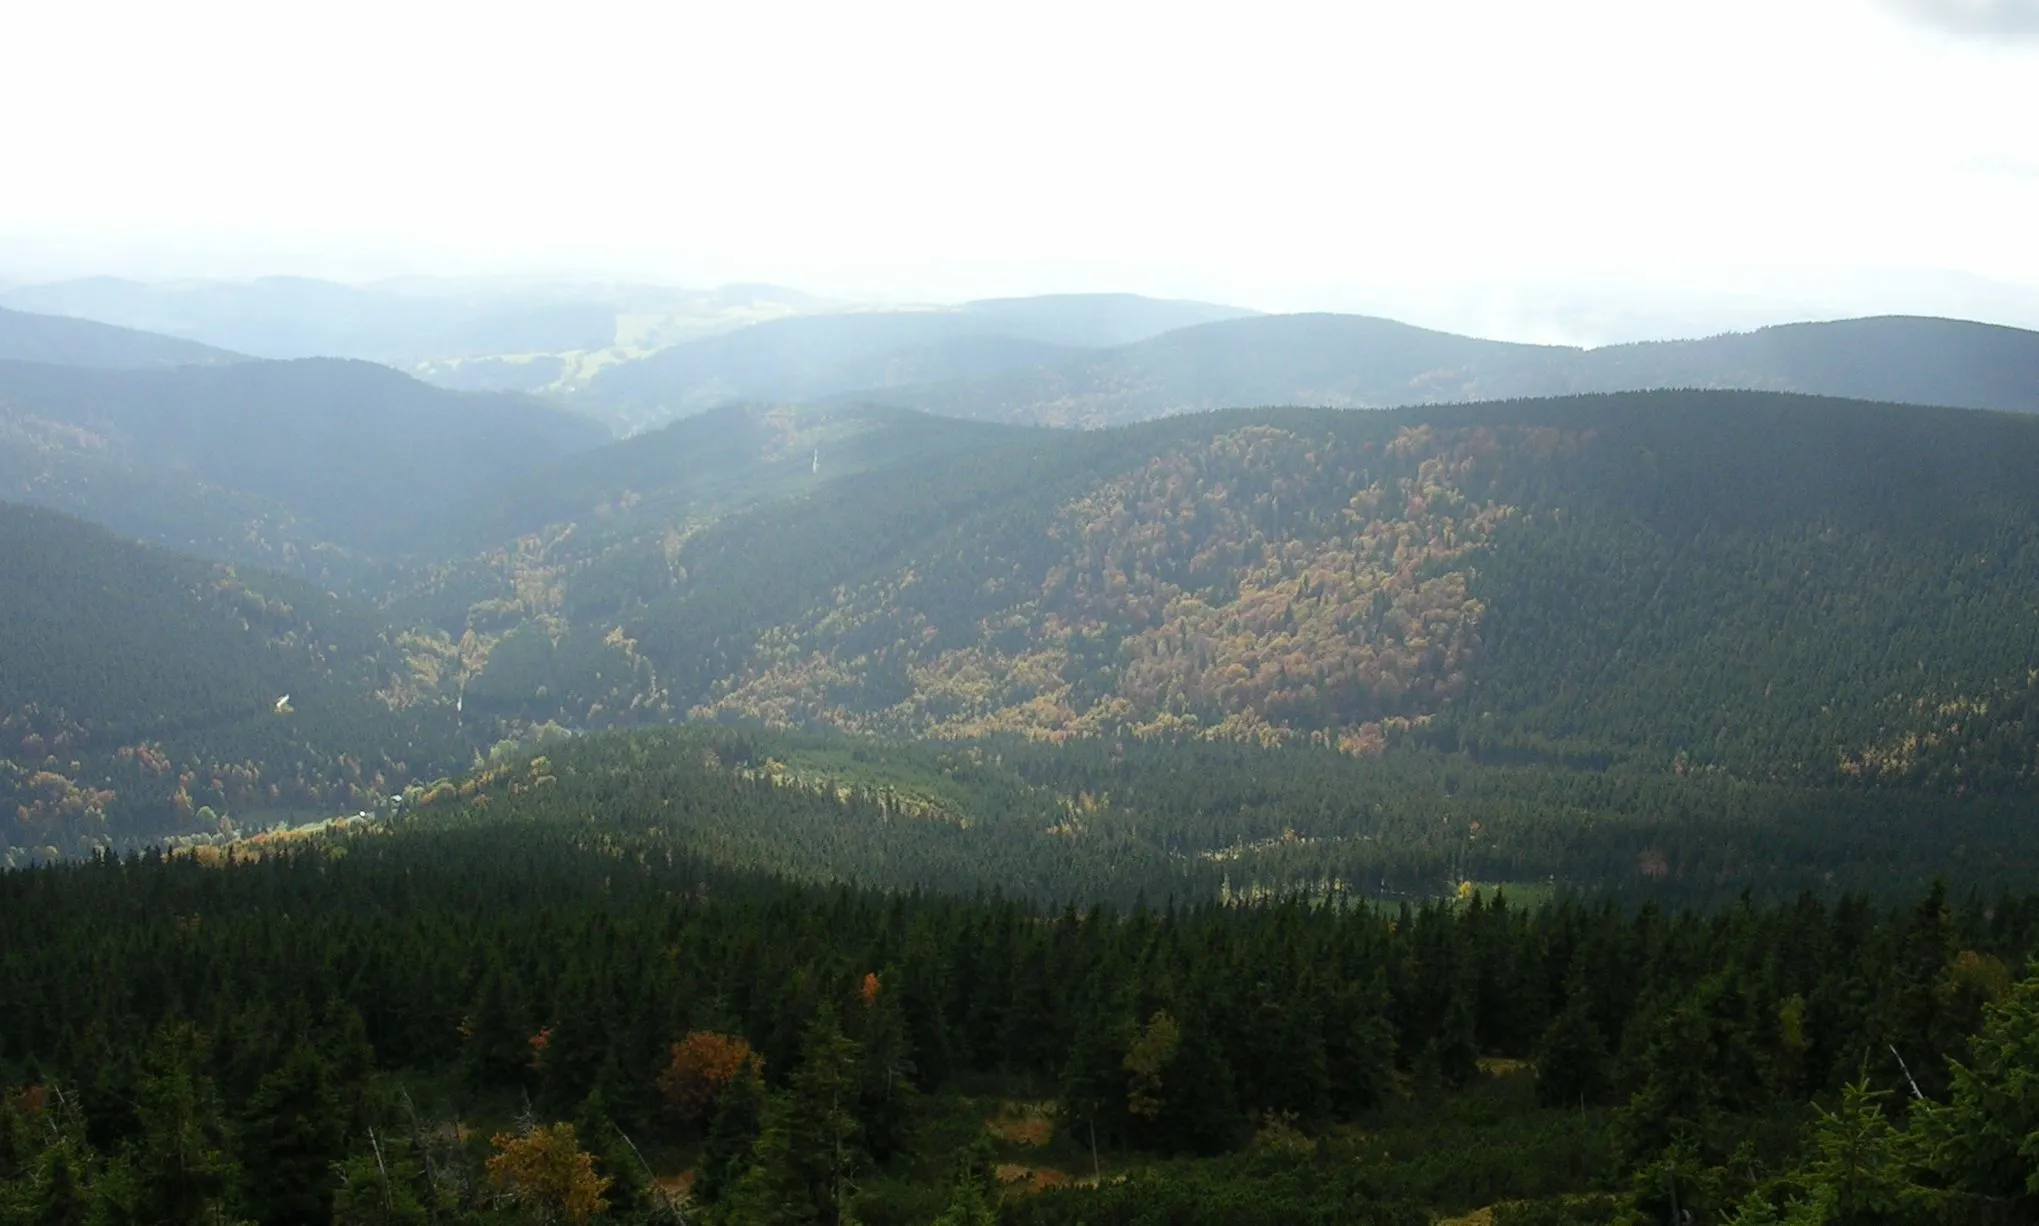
x: 1571, y: 1061
x: 292, y: 1133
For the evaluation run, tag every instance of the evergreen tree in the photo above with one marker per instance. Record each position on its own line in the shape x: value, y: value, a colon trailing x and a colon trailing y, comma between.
x: 1985, y: 1142
x: 885, y: 1065
x: 383, y: 1185
x: 630, y: 1188
x: 774, y: 1189
x: 1455, y: 1050
x: 1571, y: 1062
x: 807, y: 1151
x: 290, y: 1137
x: 1092, y: 1098
x: 728, y: 1151
x: 1859, y: 1171
x: 973, y: 1197
x: 181, y: 1165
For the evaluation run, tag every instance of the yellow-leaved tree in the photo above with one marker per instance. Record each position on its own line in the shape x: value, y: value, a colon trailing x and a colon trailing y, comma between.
x: 1150, y: 1055
x: 548, y: 1175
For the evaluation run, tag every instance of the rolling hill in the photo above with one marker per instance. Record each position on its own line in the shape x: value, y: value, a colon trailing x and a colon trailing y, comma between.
x: 141, y: 691
x: 25, y: 336
x: 1347, y: 361
x: 295, y: 465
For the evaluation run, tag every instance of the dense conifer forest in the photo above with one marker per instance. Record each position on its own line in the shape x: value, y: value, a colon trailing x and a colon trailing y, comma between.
x: 500, y: 1012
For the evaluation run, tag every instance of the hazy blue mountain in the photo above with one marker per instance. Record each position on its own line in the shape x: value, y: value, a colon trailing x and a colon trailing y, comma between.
x: 1092, y: 320
x: 469, y: 334
x: 1350, y: 361
x: 292, y: 317
x: 29, y: 337
x: 1335, y: 361
x: 264, y: 461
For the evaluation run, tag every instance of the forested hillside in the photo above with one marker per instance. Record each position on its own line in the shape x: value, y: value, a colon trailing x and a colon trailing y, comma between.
x: 1775, y: 587
x: 702, y: 467
x: 1767, y: 589
x: 80, y: 342
x: 1348, y: 361
x: 292, y: 465
x: 144, y: 694
x: 1896, y: 358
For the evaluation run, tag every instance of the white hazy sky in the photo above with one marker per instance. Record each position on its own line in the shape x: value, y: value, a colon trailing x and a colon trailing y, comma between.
x: 1286, y: 155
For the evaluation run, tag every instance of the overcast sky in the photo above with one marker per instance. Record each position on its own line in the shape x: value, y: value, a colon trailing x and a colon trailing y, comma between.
x: 1493, y: 155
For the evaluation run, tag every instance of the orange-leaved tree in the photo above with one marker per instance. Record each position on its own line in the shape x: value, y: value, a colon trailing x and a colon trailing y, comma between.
x: 703, y: 1065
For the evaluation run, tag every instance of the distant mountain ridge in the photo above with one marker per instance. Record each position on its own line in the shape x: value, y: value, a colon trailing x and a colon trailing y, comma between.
x: 473, y: 335
x: 25, y: 336
x: 822, y: 356
x: 1346, y: 361
x: 293, y: 317
x: 1902, y: 358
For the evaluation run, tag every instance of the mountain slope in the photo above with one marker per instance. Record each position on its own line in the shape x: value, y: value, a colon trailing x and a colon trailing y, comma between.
x: 1347, y: 361
x: 81, y: 342
x: 702, y: 466
x: 1772, y: 586
x: 265, y: 461
x: 138, y: 686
